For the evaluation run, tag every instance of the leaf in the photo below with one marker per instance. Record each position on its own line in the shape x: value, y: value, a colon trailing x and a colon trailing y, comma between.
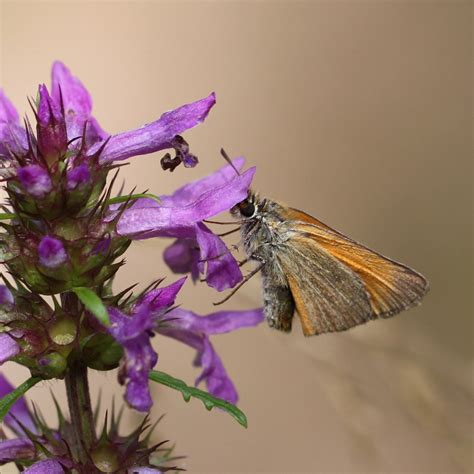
x: 188, y: 392
x: 7, y: 216
x: 128, y: 197
x: 10, y: 398
x: 93, y: 303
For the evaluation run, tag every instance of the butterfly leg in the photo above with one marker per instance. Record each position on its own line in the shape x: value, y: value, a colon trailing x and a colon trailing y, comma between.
x: 242, y: 283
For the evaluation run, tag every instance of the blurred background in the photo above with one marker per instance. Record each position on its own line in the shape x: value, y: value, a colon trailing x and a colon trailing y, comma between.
x: 358, y: 113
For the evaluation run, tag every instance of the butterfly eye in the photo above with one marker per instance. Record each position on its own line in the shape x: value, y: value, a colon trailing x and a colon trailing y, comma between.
x: 247, y: 208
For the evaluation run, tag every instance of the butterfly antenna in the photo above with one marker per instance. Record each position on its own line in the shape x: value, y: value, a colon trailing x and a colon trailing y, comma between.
x: 226, y: 158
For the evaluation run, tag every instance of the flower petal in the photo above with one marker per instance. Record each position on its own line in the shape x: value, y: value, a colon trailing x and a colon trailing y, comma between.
x: 48, y: 466
x: 8, y: 347
x: 219, y: 322
x: 8, y: 113
x: 143, y: 470
x: 182, y: 256
x: 222, y: 271
x: 193, y: 330
x: 157, y: 135
x: 35, y: 180
x: 77, y: 105
x: 191, y: 191
x: 160, y: 220
x: 160, y: 298
x: 16, y: 450
x: 19, y: 410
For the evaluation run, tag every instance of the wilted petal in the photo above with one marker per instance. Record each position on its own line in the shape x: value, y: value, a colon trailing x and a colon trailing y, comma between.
x: 48, y: 466
x: 16, y: 450
x: 8, y: 348
x: 77, y: 105
x: 157, y: 135
x: 19, y: 409
x: 222, y: 270
x: 158, y: 220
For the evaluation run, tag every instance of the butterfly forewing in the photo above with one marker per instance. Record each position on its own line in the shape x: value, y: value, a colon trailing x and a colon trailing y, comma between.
x: 392, y: 287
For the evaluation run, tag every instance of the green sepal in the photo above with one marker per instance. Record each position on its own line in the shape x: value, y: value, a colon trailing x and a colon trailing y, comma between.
x: 10, y: 398
x: 130, y: 197
x: 93, y: 303
x: 188, y: 392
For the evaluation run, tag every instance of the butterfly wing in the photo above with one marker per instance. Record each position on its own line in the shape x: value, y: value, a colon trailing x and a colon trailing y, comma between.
x: 327, y: 294
x: 391, y: 286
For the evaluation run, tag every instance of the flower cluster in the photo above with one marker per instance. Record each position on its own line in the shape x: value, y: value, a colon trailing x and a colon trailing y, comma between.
x: 63, y: 234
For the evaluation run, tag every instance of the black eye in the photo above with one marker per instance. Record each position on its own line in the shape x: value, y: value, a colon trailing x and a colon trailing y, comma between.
x: 247, y: 208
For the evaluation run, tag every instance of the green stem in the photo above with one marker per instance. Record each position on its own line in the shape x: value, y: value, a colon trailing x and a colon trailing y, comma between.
x: 80, y: 409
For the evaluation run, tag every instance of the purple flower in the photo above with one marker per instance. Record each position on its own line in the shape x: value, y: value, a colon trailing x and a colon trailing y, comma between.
x: 35, y: 180
x: 16, y: 450
x: 133, y: 333
x: 70, y: 92
x: 51, y: 251
x: 51, y: 127
x: 206, y: 254
x: 175, y: 216
x: 78, y: 176
x: 143, y: 470
x: 195, y: 330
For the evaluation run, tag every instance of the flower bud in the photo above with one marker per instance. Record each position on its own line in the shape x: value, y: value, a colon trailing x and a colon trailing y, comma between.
x: 52, y: 365
x: 78, y: 176
x: 35, y: 180
x: 63, y: 331
x: 102, y: 352
x: 51, y: 252
x: 51, y: 127
x: 105, y: 458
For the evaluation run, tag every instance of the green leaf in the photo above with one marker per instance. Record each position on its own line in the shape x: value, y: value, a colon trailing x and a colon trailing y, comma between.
x: 118, y: 199
x: 93, y: 303
x: 7, y: 216
x: 8, y: 400
x: 188, y: 392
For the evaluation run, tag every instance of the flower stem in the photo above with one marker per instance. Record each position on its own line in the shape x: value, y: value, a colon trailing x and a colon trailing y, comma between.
x: 80, y: 409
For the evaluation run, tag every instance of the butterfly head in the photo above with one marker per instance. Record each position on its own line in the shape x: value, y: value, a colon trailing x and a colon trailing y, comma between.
x: 248, y: 208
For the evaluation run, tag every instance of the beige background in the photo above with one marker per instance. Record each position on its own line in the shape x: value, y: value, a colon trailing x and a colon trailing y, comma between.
x: 360, y: 114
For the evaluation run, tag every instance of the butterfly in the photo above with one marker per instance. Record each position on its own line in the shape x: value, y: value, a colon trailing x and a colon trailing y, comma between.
x: 333, y: 282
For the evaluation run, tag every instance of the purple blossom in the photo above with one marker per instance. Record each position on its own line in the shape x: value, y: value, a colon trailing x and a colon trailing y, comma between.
x: 194, y: 330
x: 51, y: 252
x: 133, y: 333
x: 176, y: 215
x: 35, y: 180
x: 51, y: 128
x: 143, y: 470
x: 16, y: 449
x: 158, y: 135
x: 78, y: 176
